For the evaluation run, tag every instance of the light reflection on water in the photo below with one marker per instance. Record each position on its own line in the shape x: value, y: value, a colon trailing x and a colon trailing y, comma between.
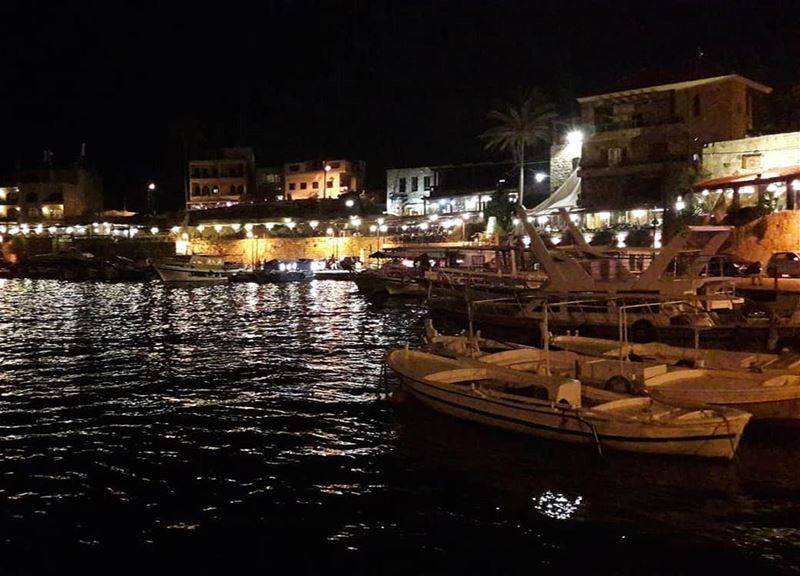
x: 557, y: 506
x: 250, y: 418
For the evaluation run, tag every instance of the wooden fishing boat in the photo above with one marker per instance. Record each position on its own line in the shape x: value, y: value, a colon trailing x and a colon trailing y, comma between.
x: 462, y: 345
x: 678, y: 356
x: 561, y: 409
x: 767, y: 394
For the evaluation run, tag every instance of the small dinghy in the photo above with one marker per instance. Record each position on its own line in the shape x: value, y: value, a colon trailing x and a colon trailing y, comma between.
x: 561, y: 409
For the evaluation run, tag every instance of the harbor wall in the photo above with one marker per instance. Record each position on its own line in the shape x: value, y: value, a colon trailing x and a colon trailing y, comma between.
x: 779, y: 231
x: 245, y: 250
x: 250, y: 250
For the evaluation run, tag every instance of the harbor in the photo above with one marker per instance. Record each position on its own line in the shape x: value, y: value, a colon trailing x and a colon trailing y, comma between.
x: 400, y: 288
x: 299, y: 440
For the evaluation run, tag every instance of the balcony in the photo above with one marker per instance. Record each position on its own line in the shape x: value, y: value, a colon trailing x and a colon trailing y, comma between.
x: 629, y: 168
x: 611, y: 124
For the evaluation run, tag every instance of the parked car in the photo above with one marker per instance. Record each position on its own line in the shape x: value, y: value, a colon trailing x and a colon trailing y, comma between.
x: 726, y: 265
x: 784, y: 264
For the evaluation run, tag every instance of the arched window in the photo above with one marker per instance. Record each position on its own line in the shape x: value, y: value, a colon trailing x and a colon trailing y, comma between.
x: 241, y: 189
x: 196, y: 190
x: 205, y: 190
x: 233, y: 190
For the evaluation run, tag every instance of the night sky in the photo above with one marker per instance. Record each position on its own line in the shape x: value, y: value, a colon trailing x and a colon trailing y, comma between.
x: 393, y: 83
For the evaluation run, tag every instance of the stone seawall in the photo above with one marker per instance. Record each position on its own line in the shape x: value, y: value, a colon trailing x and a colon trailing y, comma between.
x: 245, y: 250
x: 250, y: 250
x: 775, y: 232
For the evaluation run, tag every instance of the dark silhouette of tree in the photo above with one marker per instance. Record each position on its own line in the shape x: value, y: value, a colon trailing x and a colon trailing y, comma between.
x: 518, y: 126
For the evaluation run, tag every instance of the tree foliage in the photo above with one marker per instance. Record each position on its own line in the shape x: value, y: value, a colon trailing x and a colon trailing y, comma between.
x: 520, y: 125
x: 502, y: 209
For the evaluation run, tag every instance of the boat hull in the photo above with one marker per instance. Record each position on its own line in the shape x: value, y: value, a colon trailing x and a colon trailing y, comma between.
x: 376, y: 284
x: 179, y: 275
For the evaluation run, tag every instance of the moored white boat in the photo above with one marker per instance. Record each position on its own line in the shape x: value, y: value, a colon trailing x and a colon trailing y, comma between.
x: 196, y: 269
x: 560, y: 409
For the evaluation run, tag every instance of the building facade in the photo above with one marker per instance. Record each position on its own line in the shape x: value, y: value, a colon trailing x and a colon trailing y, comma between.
x: 747, y: 171
x: 447, y: 188
x: 52, y: 195
x: 223, y: 180
x: 565, y: 157
x: 326, y: 179
x: 269, y: 184
x: 639, y: 141
x: 407, y: 190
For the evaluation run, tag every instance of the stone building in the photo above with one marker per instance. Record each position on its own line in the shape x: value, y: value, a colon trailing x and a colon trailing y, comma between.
x: 52, y: 195
x: 326, y: 179
x: 269, y: 184
x: 565, y: 157
x: 224, y: 179
x: 447, y: 188
x: 407, y: 190
x: 639, y: 140
x: 744, y: 171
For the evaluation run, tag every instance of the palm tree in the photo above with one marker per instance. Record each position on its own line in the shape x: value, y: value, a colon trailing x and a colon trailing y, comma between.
x: 519, y: 126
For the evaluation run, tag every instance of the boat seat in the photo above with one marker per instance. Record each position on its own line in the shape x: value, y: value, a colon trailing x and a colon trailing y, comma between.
x: 782, y: 380
x: 458, y: 375
x: 627, y: 403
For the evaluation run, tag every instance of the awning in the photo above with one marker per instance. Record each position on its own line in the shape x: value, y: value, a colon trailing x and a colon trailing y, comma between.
x: 565, y: 196
x: 751, y: 179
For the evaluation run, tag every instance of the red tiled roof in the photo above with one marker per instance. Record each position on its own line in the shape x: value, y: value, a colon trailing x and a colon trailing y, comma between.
x: 765, y: 176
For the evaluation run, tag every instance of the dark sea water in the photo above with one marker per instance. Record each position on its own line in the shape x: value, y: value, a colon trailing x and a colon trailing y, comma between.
x: 247, y: 429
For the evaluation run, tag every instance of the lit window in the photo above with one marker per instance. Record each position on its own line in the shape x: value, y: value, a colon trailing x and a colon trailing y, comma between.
x: 751, y: 161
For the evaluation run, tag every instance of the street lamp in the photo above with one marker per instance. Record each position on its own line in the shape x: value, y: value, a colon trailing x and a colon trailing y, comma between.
x: 325, y: 180
x: 151, y: 187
